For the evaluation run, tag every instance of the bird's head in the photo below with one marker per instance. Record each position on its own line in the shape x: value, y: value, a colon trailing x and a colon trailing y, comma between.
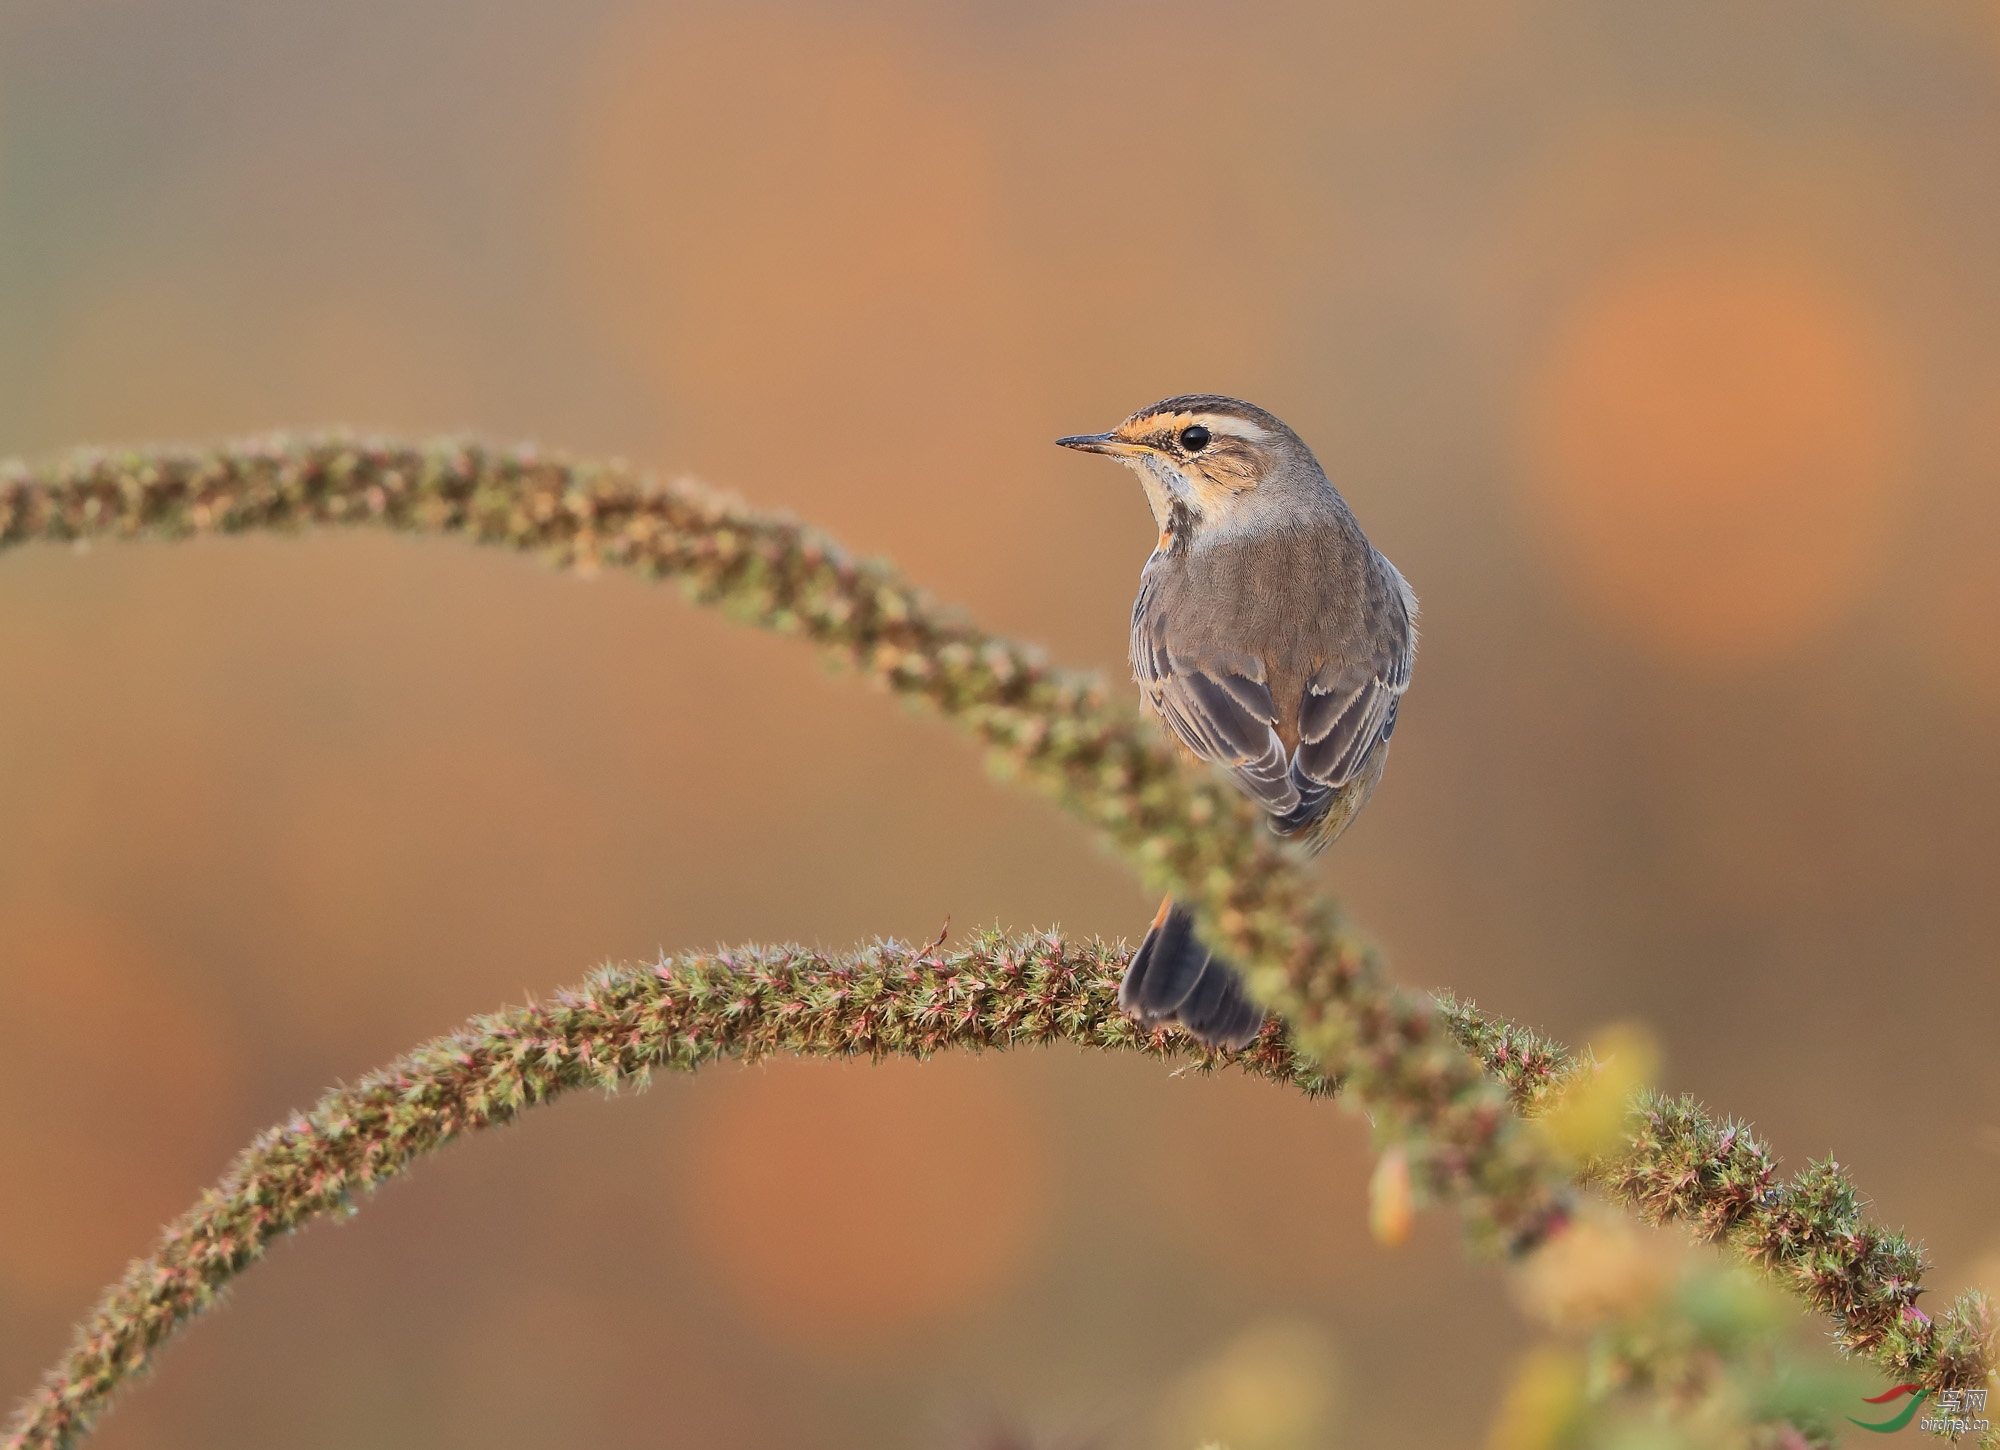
x: 1203, y: 461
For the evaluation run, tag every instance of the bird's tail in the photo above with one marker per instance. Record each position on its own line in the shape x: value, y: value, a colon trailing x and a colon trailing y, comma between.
x: 1174, y: 978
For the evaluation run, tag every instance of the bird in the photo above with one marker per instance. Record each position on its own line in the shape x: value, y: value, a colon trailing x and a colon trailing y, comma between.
x: 1272, y: 639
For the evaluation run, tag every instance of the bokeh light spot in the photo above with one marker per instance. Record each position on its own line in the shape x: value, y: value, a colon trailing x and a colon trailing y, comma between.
x: 1275, y: 1387
x: 788, y: 224
x: 117, y: 1092
x: 1714, y: 442
x: 844, y: 1203
x: 1544, y: 1403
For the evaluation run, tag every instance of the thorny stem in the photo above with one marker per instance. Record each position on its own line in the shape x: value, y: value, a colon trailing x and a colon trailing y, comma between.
x: 884, y: 1001
x: 1440, y: 1078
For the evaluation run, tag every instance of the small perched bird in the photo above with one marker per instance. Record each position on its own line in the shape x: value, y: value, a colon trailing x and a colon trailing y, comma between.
x: 1271, y: 637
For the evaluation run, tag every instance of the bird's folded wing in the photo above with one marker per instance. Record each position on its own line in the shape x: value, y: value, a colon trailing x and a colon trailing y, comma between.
x: 1223, y: 711
x: 1349, y: 705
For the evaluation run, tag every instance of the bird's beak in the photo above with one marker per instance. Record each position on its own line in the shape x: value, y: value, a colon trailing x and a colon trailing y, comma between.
x: 1109, y: 444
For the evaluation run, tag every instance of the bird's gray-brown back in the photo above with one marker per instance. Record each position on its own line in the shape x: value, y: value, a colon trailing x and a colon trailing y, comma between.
x: 1294, y: 598
x: 1279, y: 649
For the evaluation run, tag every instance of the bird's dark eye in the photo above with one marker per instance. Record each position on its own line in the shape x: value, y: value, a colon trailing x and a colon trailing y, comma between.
x: 1194, y: 439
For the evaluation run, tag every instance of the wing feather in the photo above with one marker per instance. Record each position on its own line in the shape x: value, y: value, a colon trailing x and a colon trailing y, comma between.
x: 1219, y: 702
x: 1350, y: 703
x: 1223, y: 712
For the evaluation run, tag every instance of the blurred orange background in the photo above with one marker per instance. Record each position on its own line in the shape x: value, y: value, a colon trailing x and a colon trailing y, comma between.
x: 1660, y: 347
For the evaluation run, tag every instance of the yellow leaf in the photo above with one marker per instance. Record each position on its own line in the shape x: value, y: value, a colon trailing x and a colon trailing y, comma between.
x: 1389, y: 1206
x: 1543, y: 1405
x: 1589, y: 1118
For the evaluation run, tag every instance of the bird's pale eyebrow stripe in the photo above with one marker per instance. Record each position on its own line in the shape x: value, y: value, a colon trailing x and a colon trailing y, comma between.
x: 1221, y: 424
x: 1228, y: 425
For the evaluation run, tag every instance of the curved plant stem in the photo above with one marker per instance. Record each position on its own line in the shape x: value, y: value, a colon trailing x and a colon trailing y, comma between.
x: 1184, y: 830
x: 1446, y: 1082
x: 626, y: 1021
